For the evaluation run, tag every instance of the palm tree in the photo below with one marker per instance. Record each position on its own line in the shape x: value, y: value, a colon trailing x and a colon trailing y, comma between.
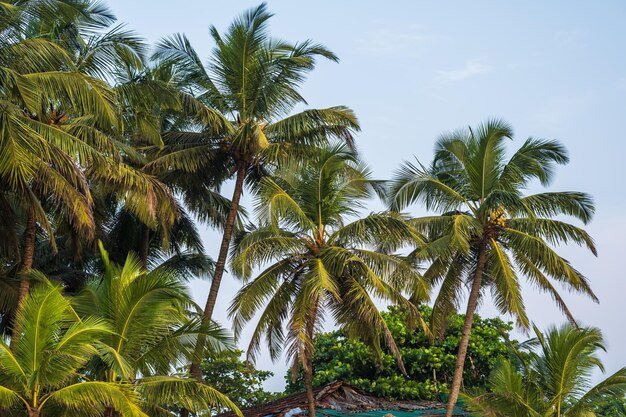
x: 55, y: 121
x: 150, y: 98
x: 488, y: 234
x: 41, y: 367
x: 153, y: 99
x: 315, y: 261
x: 151, y: 336
x: 252, y: 80
x: 555, y: 381
x: 37, y: 169
x: 118, y: 57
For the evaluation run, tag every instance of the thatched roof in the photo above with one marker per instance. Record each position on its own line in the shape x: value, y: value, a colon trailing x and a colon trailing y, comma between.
x: 343, y: 398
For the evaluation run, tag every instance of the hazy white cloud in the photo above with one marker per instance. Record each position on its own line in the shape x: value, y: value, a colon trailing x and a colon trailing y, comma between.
x: 472, y: 68
x: 380, y: 42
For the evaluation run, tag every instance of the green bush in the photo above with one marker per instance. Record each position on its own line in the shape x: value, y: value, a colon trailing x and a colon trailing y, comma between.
x: 429, y: 363
x: 240, y: 381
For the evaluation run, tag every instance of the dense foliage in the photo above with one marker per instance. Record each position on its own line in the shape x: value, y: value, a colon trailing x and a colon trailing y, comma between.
x: 553, y: 378
x: 241, y: 381
x: 429, y: 363
x: 107, y: 142
x: 58, y: 362
x: 610, y: 406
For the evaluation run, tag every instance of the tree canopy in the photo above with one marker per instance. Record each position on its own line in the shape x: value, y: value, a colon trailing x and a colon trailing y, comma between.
x: 487, y: 232
x: 553, y: 379
x: 113, y: 154
x: 429, y: 363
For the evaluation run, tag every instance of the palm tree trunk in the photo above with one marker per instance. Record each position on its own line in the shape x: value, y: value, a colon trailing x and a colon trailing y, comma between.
x: 33, y: 412
x: 307, y: 354
x: 195, y: 370
x: 308, y: 385
x: 220, y: 266
x: 467, y: 329
x: 144, y: 246
x: 28, y: 254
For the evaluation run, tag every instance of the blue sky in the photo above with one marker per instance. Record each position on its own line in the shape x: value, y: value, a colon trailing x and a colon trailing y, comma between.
x: 414, y: 69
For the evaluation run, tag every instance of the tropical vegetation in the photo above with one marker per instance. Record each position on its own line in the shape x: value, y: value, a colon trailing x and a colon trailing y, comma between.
x: 41, y: 369
x: 113, y: 156
x: 553, y: 378
x: 314, y: 261
x: 251, y: 83
x: 429, y: 362
x: 229, y: 373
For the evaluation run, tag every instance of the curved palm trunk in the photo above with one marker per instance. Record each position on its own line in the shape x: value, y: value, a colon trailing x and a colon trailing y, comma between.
x: 308, y: 362
x: 467, y: 329
x: 220, y: 266
x: 308, y: 385
x: 28, y: 253
x: 144, y: 246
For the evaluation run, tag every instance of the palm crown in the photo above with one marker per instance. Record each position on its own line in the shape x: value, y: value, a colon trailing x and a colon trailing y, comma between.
x: 41, y: 368
x: 553, y: 377
x: 152, y: 335
x: 145, y: 309
x: 252, y: 81
x: 314, y: 262
x: 488, y: 234
x: 479, y: 195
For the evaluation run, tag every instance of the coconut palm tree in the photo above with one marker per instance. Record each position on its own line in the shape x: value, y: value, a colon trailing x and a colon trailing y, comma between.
x: 40, y: 369
x: 38, y: 166
x: 54, y: 138
x: 253, y: 81
x: 155, y: 100
x: 151, y: 98
x: 152, y: 335
x: 555, y: 380
x: 314, y: 261
x: 487, y: 234
x: 118, y: 57
x: 150, y: 95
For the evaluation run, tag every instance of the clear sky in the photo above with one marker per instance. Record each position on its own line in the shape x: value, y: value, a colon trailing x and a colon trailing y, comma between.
x: 414, y: 69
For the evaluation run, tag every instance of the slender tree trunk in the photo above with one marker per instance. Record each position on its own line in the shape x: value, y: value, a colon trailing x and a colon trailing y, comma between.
x: 229, y: 227
x: 467, y: 329
x: 26, y: 265
x: 109, y: 412
x: 28, y: 253
x: 144, y: 246
x: 308, y: 361
x: 308, y: 385
x: 220, y: 266
x: 33, y: 412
